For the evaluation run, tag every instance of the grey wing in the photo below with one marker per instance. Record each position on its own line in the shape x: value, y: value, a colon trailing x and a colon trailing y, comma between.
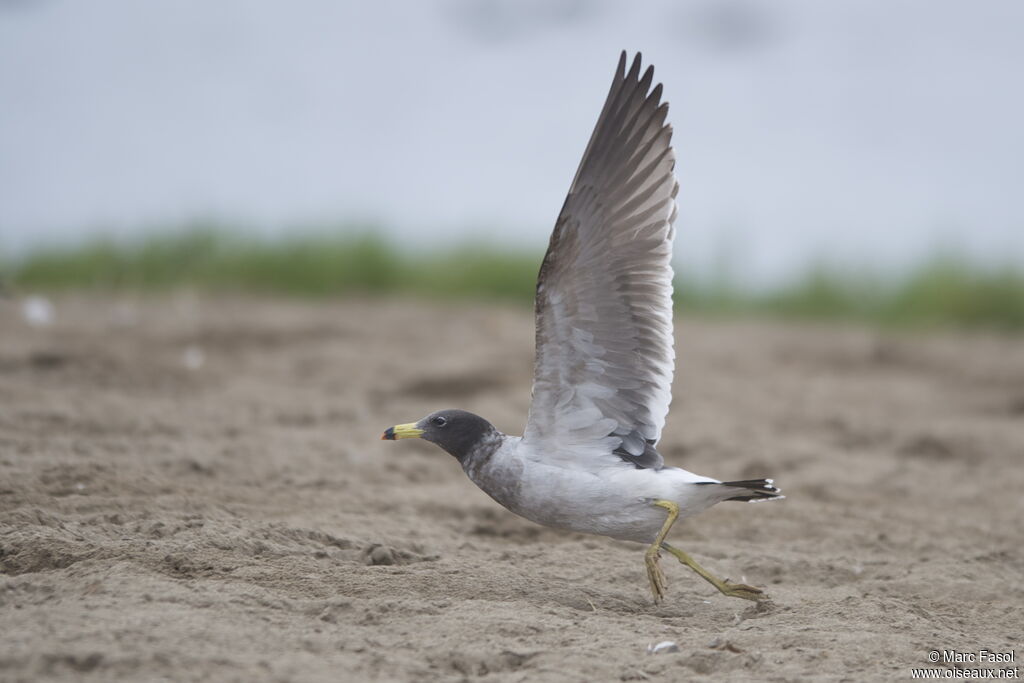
x: 603, y: 372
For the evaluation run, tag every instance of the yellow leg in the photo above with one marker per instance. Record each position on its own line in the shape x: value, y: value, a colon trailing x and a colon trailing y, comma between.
x: 727, y: 587
x: 654, y: 573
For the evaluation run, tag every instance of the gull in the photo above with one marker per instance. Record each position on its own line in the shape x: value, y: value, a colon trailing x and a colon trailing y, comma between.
x: 587, y: 460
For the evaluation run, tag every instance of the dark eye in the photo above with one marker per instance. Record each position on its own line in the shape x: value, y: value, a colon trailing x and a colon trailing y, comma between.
x: 439, y: 421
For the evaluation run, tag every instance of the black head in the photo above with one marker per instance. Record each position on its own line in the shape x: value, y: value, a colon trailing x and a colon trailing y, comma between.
x: 457, y: 431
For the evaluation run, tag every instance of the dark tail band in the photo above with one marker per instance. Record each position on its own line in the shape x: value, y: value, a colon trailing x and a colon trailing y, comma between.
x: 753, y: 490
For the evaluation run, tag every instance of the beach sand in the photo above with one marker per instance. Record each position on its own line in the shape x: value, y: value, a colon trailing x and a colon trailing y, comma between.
x: 195, y: 489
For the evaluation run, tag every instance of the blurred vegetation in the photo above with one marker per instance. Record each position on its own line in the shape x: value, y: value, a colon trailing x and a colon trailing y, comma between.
x: 304, y: 265
x: 944, y: 290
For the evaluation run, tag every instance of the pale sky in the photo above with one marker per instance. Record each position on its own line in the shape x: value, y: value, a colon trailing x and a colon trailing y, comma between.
x: 862, y: 130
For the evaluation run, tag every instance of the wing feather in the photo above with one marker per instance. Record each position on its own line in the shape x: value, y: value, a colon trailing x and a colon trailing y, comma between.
x: 603, y: 373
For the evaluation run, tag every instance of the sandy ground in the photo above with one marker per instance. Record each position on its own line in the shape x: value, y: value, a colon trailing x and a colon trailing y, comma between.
x: 196, y: 490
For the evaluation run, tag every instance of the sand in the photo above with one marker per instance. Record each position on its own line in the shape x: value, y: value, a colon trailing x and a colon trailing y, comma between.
x: 195, y: 489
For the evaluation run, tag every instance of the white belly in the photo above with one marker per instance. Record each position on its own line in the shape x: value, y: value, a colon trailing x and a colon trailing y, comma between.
x: 611, y: 501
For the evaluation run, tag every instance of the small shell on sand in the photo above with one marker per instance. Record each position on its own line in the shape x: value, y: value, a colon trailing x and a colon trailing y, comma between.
x: 662, y: 647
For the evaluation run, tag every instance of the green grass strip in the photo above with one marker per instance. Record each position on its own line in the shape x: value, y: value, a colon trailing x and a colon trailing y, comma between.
x: 944, y: 290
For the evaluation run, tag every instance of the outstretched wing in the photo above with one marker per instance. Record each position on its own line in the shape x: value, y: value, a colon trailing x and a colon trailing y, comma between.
x: 603, y: 373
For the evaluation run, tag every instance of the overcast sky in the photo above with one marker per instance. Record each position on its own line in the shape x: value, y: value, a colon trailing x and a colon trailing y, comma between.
x: 863, y: 130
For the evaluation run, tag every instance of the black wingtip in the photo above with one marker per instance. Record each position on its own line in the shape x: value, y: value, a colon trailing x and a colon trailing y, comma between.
x: 634, y: 69
x: 655, y: 95
x: 620, y: 70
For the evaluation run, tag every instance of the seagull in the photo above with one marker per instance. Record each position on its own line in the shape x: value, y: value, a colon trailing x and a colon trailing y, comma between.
x: 587, y: 460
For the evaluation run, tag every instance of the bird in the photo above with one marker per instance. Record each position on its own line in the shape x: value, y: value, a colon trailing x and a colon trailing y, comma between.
x: 587, y: 460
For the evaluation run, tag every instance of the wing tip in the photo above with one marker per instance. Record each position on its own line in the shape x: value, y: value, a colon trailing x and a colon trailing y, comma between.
x: 643, y: 82
x: 634, y: 69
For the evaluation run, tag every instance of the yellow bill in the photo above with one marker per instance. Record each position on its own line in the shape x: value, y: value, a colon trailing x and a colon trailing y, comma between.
x: 406, y: 431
